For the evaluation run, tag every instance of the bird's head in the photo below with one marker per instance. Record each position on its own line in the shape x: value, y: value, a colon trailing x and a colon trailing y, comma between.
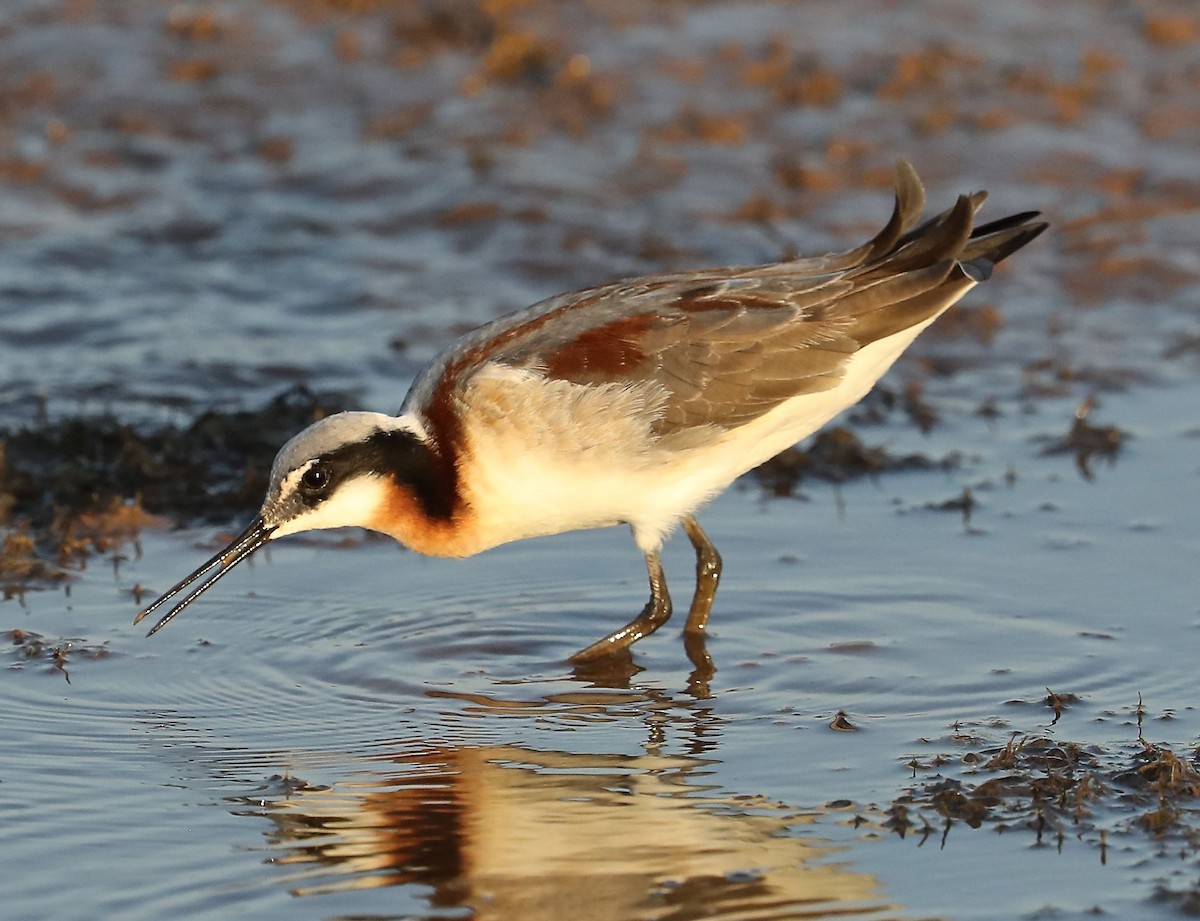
x: 351, y: 469
x: 344, y: 470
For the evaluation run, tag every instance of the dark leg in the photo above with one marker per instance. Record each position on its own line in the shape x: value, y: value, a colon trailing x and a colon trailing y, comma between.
x: 708, y: 575
x: 654, y: 615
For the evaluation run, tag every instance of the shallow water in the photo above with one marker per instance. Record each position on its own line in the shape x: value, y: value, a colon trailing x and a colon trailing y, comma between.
x: 345, y: 730
x: 379, y: 735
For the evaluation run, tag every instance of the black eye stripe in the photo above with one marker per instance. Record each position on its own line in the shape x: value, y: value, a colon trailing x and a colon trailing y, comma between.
x: 398, y: 455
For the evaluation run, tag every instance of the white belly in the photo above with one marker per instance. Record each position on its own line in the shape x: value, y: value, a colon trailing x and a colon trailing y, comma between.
x: 545, y: 457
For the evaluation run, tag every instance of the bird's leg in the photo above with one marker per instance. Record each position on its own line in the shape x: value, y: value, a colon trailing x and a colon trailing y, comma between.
x: 654, y: 615
x: 708, y: 575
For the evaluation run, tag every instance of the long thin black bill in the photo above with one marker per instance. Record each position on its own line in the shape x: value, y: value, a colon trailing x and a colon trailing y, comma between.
x: 210, y: 573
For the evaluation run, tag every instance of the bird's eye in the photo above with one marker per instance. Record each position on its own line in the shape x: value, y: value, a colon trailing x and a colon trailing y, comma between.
x: 315, y: 478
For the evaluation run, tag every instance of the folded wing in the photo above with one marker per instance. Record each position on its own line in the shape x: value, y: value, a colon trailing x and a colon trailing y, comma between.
x: 727, y: 345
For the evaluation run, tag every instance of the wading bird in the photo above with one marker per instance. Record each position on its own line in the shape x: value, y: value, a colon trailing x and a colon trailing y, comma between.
x: 633, y: 402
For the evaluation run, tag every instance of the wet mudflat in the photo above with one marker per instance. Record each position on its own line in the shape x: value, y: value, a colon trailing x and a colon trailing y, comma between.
x: 955, y: 658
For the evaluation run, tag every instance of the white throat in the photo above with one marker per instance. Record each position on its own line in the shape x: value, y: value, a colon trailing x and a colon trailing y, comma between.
x: 354, y: 505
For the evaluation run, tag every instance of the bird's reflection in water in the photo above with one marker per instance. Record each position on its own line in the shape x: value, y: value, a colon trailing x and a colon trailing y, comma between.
x: 509, y: 832
x: 618, y: 669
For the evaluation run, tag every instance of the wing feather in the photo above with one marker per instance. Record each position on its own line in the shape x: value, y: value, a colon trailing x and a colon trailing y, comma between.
x: 724, y: 346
